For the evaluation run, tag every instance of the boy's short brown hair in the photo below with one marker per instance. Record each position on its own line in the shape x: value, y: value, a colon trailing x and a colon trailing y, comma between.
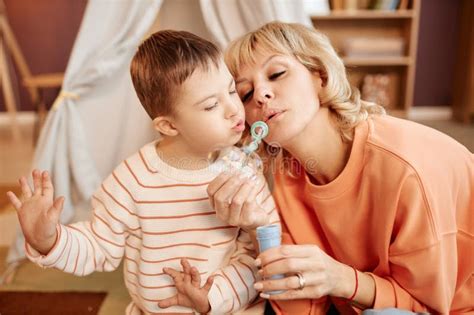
x: 163, y: 62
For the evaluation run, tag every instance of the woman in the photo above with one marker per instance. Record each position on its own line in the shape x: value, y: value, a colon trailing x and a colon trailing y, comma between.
x: 377, y: 212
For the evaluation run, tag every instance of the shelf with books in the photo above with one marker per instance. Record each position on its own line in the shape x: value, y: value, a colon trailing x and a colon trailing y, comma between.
x: 364, y: 14
x: 377, y: 61
x: 376, y: 41
x: 395, y: 89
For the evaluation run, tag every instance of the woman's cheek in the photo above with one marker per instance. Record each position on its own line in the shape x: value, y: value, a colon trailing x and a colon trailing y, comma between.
x: 251, y: 116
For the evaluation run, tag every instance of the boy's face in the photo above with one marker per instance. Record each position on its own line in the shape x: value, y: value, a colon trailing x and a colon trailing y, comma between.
x: 208, y: 113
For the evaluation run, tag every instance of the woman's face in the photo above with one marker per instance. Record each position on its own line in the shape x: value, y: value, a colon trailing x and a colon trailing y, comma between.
x: 280, y: 91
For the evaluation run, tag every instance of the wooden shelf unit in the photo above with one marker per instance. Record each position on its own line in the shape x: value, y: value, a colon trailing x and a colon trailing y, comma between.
x: 379, y: 61
x: 365, y: 14
x: 341, y: 24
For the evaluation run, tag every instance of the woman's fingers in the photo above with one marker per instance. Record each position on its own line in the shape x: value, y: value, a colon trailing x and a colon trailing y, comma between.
x: 240, y: 199
x: 253, y: 215
x: 287, y: 283
x: 14, y: 200
x: 233, y: 197
x: 286, y: 251
x: 291, y: 287
x: 288, y: 266
x: 258, y: 185
x: 26, y: 192
x: 217, y: 183
x: 287, y: 295
x: 223, y: 198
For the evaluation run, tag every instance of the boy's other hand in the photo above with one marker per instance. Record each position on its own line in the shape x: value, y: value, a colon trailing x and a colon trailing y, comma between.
x: 38, y: 211
x: 188, y: 283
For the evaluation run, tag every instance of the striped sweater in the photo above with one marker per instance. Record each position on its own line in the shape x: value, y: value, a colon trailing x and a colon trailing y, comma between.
x: 152, y: 215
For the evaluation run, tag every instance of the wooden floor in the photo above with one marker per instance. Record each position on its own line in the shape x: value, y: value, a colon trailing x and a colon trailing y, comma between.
x: 16, y: 156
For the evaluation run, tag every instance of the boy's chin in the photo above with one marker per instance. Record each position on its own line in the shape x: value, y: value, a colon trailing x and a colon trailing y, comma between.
x: 225, y: 144
x: 236, y: 139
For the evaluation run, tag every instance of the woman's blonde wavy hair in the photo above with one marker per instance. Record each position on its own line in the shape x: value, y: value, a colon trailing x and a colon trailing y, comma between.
x: 314, y: 50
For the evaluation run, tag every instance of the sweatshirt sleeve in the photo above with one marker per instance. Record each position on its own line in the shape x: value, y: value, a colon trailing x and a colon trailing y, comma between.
x: 233, y: 285
x: 422, y: 269
x: 97, y: 245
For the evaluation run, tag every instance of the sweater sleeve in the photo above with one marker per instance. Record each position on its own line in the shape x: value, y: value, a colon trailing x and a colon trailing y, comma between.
x: 233, y: 285
x: 232, y: 289
x: 97, y: 245
x: 422, y: 267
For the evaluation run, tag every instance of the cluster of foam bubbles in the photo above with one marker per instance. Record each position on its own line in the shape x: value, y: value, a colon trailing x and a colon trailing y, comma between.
x: 243, y: 160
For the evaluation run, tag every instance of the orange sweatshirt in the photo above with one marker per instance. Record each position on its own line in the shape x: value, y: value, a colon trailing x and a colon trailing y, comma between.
x: 402, y: 210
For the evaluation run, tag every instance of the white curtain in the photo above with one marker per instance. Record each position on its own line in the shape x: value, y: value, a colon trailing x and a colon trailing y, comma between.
x: 97, y: 120
x: 95, y: 93
x: 229, y: 19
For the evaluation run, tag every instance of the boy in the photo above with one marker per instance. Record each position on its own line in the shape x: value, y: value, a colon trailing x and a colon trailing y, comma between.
x: 153, y: 210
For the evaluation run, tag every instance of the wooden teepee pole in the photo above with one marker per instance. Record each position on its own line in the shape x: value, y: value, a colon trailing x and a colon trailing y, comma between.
x: 5, y: 78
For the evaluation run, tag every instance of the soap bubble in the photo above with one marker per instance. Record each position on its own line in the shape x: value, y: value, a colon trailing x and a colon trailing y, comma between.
x: 243, y: 160
x: 235, y: 159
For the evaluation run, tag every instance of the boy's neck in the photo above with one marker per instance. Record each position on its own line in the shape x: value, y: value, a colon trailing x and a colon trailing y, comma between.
x: 179, y: 156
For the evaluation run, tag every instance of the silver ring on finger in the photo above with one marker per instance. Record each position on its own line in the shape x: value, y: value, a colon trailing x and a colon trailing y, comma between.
x: 301, y: 281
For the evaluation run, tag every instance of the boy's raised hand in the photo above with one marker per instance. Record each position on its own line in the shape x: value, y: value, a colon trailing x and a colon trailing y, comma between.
x: 188, y: 283
x: 38, y: 211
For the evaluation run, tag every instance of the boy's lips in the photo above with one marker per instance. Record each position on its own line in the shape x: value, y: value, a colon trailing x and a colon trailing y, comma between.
x: 239, y: 126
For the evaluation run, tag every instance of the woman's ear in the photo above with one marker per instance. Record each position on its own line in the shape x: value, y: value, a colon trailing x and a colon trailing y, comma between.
x: 319, y: 80
x: 165, y: 126
x: 324, y: 78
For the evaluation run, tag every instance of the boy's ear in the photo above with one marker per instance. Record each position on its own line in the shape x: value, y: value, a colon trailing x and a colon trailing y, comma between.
x: 165, y: 126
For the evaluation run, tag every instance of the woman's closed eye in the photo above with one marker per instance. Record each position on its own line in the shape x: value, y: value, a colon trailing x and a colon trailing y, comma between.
x: 273, y: 76
x: 247, y: 96
x: 276, y: 75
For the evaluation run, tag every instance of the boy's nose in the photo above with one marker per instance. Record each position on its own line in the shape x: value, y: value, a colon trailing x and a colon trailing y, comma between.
x: 232, y: 109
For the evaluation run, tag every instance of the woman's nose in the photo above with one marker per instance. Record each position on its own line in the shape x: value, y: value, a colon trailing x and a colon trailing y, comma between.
x: 263, y: 96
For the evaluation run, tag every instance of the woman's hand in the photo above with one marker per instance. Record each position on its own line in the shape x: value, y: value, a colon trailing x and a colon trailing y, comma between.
x: 234, y: 198
x: 321, y: 273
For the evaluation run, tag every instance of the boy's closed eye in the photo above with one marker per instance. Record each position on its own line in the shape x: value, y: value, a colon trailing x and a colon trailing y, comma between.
x: 211, y: 107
